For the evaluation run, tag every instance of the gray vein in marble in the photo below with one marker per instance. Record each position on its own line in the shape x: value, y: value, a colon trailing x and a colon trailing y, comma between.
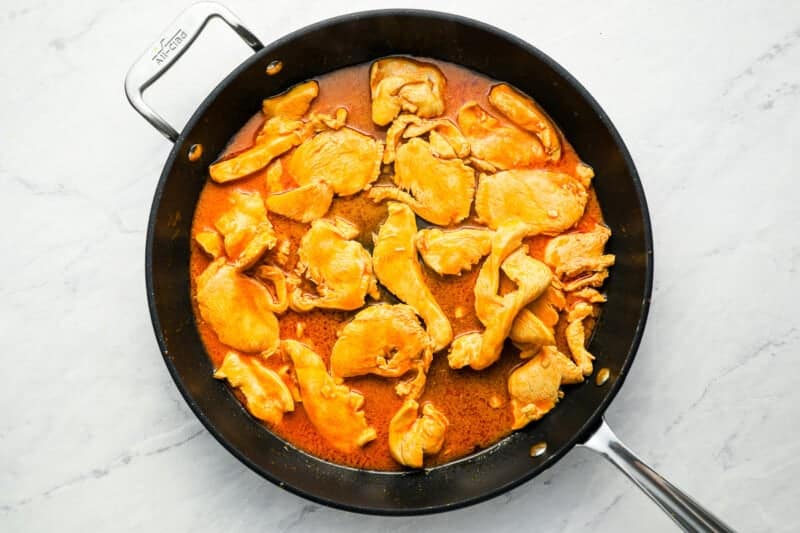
x: 295, y: 519
x: 768, y: 348
x: 592, y: 524
x: 773, y: 52
x: 62, y: 42
x: 785, y: 90
x: 101, y: 472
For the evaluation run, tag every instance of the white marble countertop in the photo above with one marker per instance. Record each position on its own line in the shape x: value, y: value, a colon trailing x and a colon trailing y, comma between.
x: 94, y: 435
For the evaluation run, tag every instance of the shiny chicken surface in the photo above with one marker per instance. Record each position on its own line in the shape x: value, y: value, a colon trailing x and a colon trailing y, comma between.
x: 437, y: 189
x: 266, y: 395
x: 335, y: 410
x: 385, y: 340
x: 451, y: 252
x: 398, y: 269
x: 339, y: 267
x: 396, y: 264
x: 401, y: 84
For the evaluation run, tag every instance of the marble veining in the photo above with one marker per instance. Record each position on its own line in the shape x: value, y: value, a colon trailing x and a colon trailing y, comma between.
x: 93, y: 434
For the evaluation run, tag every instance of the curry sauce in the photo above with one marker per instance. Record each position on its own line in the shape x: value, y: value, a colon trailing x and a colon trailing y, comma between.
x: 474, y: 402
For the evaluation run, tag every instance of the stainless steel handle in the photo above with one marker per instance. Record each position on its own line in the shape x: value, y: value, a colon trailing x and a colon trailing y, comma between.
x: 174, y: 41
x: 686, y: 512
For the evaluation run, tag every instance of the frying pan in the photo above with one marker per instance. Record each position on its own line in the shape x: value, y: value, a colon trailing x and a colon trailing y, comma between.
x: 334, y: 44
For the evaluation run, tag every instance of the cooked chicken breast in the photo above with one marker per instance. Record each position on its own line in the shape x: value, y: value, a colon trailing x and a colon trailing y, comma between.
x: 400, y: 84
x: 451, y: 252
x: 246, y: 230
x: 397, y: 268
x: 576, y: 336
x: 334, y: 410
x: 528, y: 331
x: 411, y: 437
x: 549, y: 201
x: 238, y: 308
x: 292, y: 104
x: 572, y: 254
x: 211, y: 243
x: 267, y: 396
x: 346, y: 159
x: 447, y: 142
x: 438, y: 190
x: 527, y: 114
x: 303, y: 204
x: 282, y: 131
x: 535, y: 386
x: 496, y: 312
x: 340, y: 267
x: 385, y: 340
x: 502, y: 146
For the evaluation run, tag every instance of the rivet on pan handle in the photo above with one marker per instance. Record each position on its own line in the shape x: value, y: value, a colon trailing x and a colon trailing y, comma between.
x: 686, y: 512
x: 174, y: 41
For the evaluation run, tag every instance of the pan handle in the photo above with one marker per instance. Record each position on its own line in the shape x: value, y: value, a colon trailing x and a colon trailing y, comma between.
x: 171, y: 45
x: 686, y: 512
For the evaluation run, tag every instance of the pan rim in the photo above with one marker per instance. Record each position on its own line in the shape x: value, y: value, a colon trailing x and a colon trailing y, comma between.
x: 591, y: 422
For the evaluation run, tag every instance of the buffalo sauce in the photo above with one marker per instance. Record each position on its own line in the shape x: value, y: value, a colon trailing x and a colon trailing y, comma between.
x: 475, y: 403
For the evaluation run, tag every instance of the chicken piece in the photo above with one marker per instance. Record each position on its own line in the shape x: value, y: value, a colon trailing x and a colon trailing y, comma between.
x: 502, y: 146
x: 583, y: 265
x: 274, y: 275
x: 446, y: 140
x: 411, y: 437
x: 573, y: 254
x: 482, y: 165
x: 340, y: 267
x: 549, y: 201
x: 211, y: 243
x: 282, y: 131
x: 237, y: 308
x: 325, y: 121
x: 534, y: 387
x: 497, y: 312
x: 548, y: 306
x: 441, y: 189
x: 450, y: 252
x: 527, y: 114
x: 274, y: 178
x: 277, y: 136
x: 400, y: 84
x: 534, y: 325
x: 397, y: 268
x: 267, y: 396
x: 529, y: 331
x: 289, y: 378
x: 282, y: 251
x: 584, y: 174
x: 576, y: 336
x: 292, y: 104
x: 246, y: 230
x: 303, y: 204
x: 464, y: 349
x: 590, y: 280
x: 395, y: 133
x: 385, y: 340
x: 590, y: 295
x: 334, y: 410
x: 346, y: 159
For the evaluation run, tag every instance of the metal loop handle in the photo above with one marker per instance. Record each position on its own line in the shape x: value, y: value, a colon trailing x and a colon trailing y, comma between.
x: 174, y: 41
x: 686, y: 512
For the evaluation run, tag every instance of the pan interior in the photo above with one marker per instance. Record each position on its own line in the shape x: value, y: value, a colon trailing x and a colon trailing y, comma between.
x: 343, y: 42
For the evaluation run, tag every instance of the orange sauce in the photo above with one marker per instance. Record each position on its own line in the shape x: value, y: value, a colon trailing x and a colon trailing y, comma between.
x: 476, y: 403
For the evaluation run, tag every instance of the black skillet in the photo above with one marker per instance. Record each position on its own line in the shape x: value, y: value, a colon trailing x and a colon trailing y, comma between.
x: 349, y: 40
